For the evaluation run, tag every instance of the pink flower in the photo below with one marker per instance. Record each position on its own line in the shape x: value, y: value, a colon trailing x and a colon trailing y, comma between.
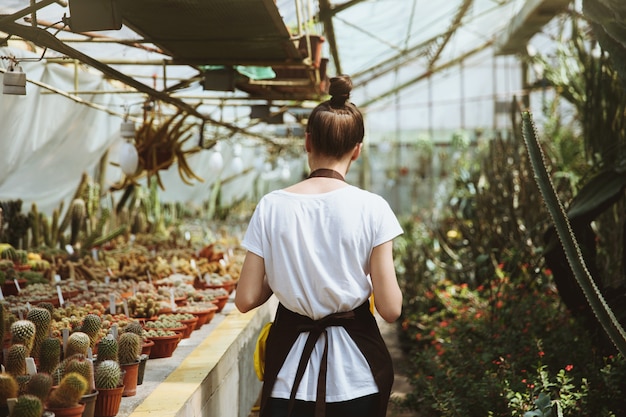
x: 569, y: 367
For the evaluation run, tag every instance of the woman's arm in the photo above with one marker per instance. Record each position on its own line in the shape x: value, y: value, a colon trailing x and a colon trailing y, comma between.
x: 387, y: 294
x: 252, y: 287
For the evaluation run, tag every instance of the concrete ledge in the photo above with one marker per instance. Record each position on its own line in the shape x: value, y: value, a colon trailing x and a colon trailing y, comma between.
x: 216, y: 377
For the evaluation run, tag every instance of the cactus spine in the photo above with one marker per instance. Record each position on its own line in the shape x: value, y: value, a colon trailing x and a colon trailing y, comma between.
x: 108, y: 375
x: 23, y: 332
x: 571, y: 248
x: 134, y: 327
x: 16, y: 360
x: 27, y: 406
x: 82, y: 366
x: 129, y: 348
x: 71, y: 388
x: 92, y: 323
x: 40, y: 385
x: 77, y: 343
x: 41, y: 318
x: 108, y: 349
x: 8, y: 388
x: 49, y: 355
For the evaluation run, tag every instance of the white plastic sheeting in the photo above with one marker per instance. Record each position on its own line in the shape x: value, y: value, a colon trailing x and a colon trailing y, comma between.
x: 47, y: 141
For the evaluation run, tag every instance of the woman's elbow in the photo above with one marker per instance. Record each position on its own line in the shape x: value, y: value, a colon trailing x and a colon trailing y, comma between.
x: 243, y: 305
x: 390, y: 314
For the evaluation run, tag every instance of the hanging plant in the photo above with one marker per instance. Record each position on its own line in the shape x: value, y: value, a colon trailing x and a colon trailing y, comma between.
x: 159, y: 146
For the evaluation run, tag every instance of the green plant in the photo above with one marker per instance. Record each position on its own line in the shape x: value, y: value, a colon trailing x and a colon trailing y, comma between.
x: 92, y: 323
x: 23, y: 332
x: 77, y: 343
x: 8, y: 388
x: 571, y: 248
x: 108, y: 349
x: 27, y: 406
x: 16, y: 360
x: 108, y: 375
x: 41, y: 318
x: 39, y: 385
x: 129, y: 348
x: 82, y: 366
x: 49, y: 355
x: 69, y: 392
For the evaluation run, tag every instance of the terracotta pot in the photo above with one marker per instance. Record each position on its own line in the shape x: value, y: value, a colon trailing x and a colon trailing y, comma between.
x: 220, y: 302
x: 146, y: 347
x: 204, y: 316
x: 190, y: 326
x: 68, y: 412
x: 108, y: 402
x: 164, y: 346
x: 130, y: 378
x: 90, y: 403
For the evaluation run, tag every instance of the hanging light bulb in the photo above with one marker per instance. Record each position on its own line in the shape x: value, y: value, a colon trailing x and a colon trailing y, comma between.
x: 216, y: 161
x: 129, y: 158
x: 236, y: 164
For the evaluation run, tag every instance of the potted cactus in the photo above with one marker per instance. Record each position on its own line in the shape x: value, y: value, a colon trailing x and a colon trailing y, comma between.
x: 108, y: 381
x: 8, y: 389
x: 129, y: 350
x: 28, y: 405
x: 64, y: 401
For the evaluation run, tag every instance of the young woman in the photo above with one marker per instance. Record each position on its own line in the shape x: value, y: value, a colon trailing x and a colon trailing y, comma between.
x: 323, y: 247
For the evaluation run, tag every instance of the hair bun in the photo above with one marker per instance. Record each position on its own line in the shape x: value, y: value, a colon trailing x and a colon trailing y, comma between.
x: 339, y: 90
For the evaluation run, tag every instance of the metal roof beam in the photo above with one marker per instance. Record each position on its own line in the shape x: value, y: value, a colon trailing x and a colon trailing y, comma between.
x: 533, y: 16
x: 426, y: 74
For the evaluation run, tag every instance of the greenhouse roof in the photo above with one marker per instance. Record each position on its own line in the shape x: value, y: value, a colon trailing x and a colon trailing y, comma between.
x: 170, y: 48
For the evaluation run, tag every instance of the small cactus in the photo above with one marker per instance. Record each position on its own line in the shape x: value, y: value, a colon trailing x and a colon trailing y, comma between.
x: 16, y: 360
x: 77, y: 343
x: 39, y: 385
x: 41, y: 318
x: 27, y: 406
x: 49, y: 355
x: 108, y: 375
x: 23, y: 332
x: 134, y: 327
x: 108, y: 349
x: 8, y: 388
x: 129, y: 348
x: 69, y: 392
x: 92, y: 323
x: 83, y: 366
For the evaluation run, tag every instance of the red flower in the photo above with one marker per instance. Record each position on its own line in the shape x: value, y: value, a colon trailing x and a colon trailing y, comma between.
x: 569, y: 367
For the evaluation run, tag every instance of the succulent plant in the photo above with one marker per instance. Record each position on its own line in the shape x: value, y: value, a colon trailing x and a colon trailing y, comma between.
x: 39, y: 385
x: 108, y: 375
x: 49, y: 355
x: 69, y: 392
x: 16, y: 360
x: 27, y: 406
x: 47, y: 305
x: 23, y: 333
x: 92, y: 323
x: 77, y: 343
x: 8, y: 388
x: 134, y: 327
x: 108, y: 349
x: 41, y: 318
x: 82, y: 366
x: 129, y: 348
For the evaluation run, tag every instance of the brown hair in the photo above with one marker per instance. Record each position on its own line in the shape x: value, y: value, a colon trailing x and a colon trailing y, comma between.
x: 336, y: 125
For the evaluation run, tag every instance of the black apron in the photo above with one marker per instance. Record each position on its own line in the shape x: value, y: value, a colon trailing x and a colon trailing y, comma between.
x: 362, y: 328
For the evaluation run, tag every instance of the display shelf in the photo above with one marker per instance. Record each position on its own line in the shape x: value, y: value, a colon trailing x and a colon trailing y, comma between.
x: 209, y: 373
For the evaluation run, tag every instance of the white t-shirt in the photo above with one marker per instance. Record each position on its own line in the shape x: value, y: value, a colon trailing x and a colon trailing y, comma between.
x: 316, y: 249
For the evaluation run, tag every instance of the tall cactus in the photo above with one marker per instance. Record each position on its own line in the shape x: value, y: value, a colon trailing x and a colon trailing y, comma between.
x: 594, y: 297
